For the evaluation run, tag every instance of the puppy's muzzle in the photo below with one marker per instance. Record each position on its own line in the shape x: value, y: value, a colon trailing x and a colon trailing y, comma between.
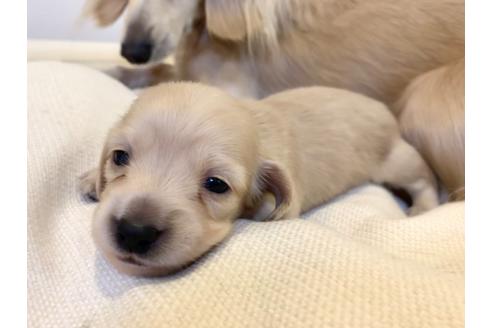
x: 140, y: 227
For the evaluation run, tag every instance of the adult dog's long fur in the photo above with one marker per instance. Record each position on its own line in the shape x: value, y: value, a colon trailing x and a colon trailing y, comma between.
x: 391, y: 50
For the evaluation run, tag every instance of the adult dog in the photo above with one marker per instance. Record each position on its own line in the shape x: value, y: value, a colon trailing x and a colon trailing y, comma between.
x: 407, y: 53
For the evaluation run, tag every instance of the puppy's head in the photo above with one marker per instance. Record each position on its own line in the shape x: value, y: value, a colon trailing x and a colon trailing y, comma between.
x: 153, y: 27
x: 174, y: 174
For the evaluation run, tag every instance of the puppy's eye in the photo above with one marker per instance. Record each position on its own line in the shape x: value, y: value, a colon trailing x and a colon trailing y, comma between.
x: 120, y: 158
x: 216, y: 185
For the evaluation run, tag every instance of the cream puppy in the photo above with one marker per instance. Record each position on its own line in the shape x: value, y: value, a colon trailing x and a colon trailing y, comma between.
x: 189, y: 159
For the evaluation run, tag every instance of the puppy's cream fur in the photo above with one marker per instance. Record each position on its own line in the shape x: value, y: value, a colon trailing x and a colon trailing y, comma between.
x: 303, y: 146
x: 253, y: 48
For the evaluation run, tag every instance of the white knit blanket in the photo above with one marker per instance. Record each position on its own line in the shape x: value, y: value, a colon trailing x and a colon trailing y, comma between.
x: 355, y: 262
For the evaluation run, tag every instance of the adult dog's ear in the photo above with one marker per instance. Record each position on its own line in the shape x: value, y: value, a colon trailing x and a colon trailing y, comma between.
x: 104, y: 12
x: 256, y: 21
x: 245, y: 19
x: 272, y: 179
x: 226, y: 19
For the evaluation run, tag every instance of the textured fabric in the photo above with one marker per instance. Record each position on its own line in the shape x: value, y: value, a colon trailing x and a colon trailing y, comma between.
x: 355, y: 262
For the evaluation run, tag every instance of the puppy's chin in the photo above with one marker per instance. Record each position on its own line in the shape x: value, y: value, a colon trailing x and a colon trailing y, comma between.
x: 132, y: 268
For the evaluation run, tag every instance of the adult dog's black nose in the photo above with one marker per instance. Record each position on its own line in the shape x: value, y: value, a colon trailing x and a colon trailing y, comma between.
x: 135, y: 238
x: 136, y: 53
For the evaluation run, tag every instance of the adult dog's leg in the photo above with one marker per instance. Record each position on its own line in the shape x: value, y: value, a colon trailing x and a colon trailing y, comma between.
x: 141, y: 77
x: 432, y: 119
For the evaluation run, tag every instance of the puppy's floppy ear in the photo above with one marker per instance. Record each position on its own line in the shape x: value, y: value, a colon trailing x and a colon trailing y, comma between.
x: 104, y: 12
x: 273, y: 179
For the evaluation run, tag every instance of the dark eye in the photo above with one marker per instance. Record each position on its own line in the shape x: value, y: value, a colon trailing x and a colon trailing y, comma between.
x: 216, y: 185
x: 120, y: 158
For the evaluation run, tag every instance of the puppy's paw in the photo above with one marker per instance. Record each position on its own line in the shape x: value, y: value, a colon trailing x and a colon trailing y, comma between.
x: 87, y: 185
x: 416, y: 210
x: 425, y: 201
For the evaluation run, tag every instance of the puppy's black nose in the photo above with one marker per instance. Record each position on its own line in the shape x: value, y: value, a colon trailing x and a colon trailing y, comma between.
x: 137, y: 53
x: 135, y: 238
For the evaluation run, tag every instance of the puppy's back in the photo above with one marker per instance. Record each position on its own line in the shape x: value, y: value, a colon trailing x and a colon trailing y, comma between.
x: 334, y: 135
x: 337, y: 108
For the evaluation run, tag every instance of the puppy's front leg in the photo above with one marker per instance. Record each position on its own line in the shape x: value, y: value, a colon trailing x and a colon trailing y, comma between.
x: 87, y: 185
